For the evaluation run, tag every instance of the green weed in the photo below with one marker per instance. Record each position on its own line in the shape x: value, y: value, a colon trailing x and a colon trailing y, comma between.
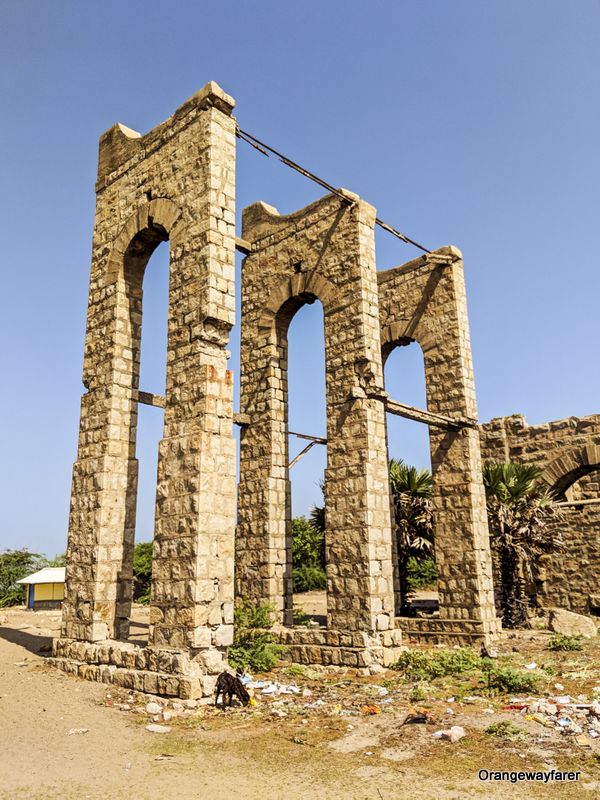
x: 254, y: 646
x: 505, y: 730
x: 562, y: 641
x: 423, y: 665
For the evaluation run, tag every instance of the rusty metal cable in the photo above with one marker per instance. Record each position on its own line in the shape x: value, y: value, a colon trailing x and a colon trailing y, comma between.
x: 265, y: 149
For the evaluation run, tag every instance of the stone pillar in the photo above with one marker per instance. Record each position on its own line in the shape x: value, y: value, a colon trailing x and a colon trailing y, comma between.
x: 324, y: 252
x: 175, y: 182
x: 425, y: 300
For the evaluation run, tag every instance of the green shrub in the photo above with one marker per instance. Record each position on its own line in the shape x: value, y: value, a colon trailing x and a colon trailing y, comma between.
x: 425, y: 665
x: 295, y: 671
x: 421, y: 573
x: 505, y: 730
x: 253, y: 645
x: 507, y: 680
x: 309, y: 578
x: 562, y: 641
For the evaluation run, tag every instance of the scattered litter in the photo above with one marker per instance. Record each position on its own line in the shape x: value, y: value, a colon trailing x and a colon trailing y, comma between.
x: 158, y: 728
x: 533, y: 665
x: 382, y: 691
x: 370, y: 709
x: 278, y: 688
x: 416, y: 719
x: 559, y: 687
x: 75, y: 731
x: 452, y: 735
x: 489, y: 710
x: 563, y: 700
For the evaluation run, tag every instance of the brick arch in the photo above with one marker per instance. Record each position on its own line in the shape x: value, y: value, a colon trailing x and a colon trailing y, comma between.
x: 305, y: 286
x: 152, y: 223
x: 569, y: 467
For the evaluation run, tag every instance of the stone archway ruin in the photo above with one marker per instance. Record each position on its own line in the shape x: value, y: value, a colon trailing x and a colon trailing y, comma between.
x: 177, y: 183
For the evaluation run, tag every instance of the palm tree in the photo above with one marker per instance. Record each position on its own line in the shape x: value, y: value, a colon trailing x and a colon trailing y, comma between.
x: 413, y: 525
x: 520, y: 508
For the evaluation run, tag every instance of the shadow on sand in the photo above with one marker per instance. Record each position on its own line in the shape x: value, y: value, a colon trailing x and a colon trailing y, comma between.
x: 40, y: 645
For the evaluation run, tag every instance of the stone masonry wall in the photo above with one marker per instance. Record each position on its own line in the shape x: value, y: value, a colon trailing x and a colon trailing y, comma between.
x: 568, y: 452
x: 325, y: 252
x: 425, y: 301
x: 175, y: 183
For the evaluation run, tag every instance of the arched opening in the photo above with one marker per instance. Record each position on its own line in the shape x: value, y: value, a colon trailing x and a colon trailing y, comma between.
x: 147, y: 272
x: 410, y: 479
x: 302, y: 319
x: 577, y: 484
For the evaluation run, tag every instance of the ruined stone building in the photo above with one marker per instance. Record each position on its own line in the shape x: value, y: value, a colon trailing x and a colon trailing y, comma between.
x: 177, y: 183
x: 568, y: 453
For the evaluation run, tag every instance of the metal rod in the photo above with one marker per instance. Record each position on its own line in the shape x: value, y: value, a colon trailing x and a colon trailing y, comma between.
x: 428, y: 417
x: 315, y: 439
x: 265, y: 149
x: 592, y: 502
x: 302, y: 452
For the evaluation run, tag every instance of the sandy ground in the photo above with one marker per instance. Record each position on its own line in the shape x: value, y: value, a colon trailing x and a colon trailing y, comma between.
x: 245, y: 753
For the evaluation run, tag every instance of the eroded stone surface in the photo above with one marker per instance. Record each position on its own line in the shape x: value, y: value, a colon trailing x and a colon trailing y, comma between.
x: 568, y: 453
x: 175, y: 183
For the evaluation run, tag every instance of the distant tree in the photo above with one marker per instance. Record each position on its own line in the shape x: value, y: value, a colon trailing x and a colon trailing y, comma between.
x: 413, y: 525
x: 142, y: 572
x: 14, y: 565
x: 520, y: 509
x: 308, y: 557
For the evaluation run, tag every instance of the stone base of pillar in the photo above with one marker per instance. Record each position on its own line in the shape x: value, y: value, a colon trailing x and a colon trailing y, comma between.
x: 169, y: 673
x: 420, y: 630
x: 337, y: 648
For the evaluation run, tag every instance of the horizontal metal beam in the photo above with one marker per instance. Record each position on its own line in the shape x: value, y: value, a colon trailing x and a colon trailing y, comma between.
x: 314, y: 439
x: 428, y: 417
x: 594, y: 501
x: 149, y: 399
x: 242, y: 246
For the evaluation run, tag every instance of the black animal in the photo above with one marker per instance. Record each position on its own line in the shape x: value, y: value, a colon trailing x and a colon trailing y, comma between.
x: 229, y: 686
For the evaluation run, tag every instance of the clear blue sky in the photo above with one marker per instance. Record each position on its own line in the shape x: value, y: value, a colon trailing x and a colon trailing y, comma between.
x: 463, y: 122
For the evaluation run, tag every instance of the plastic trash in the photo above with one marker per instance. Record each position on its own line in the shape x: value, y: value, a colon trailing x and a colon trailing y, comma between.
x: 453, y: 734
x: 370, y: 709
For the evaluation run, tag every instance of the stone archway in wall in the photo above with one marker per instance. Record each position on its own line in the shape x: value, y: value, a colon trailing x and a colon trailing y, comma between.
x: 315, y: 253
x: 425, y: 301
x: 561, y: 473
x: 141, y: 201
